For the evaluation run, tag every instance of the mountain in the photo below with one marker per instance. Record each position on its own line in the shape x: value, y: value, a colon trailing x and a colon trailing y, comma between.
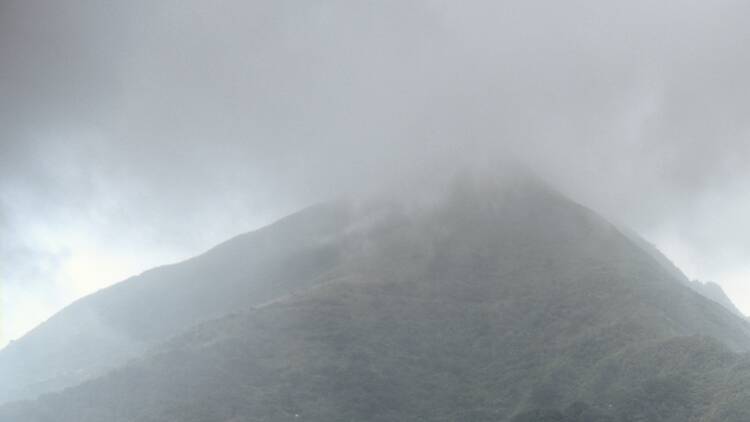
x: 491, y: 301
x: 714, y: 292
x: 110, y: 327
x: 709, y: 289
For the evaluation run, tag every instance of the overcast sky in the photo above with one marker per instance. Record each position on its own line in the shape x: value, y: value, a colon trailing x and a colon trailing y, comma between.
x: 134, y: 134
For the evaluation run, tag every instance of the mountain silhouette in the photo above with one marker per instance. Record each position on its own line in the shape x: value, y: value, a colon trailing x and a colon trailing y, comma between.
x: 489, y: 300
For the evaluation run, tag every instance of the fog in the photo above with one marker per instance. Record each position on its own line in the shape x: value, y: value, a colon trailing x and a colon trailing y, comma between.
x: 134, y: 134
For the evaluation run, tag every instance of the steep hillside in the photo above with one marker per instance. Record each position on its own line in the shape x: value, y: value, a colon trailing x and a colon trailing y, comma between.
x: 708, y: 289
x: 492, y: 302
x: 714, y: 292
x: 116, y: 324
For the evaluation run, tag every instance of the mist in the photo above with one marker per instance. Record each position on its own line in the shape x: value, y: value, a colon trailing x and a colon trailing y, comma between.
x: 137, y: 134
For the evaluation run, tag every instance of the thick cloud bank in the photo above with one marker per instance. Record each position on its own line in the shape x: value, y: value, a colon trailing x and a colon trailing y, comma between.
x: 134, y: 133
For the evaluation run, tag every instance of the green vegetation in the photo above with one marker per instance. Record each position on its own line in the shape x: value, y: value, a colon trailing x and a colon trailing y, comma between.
x: 496, y: 304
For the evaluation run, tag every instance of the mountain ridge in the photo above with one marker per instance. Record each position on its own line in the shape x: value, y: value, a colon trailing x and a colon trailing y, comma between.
x: 497, y: 299
x: 95, y: 322
x: 710, y: 290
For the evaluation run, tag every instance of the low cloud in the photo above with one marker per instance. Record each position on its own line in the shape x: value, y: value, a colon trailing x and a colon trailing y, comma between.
x: 134, y: 129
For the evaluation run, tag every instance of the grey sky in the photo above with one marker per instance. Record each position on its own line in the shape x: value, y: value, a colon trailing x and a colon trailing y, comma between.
x: 134, y: 134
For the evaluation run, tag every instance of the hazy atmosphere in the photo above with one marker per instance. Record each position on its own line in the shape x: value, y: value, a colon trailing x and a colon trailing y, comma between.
x: 134, y: 134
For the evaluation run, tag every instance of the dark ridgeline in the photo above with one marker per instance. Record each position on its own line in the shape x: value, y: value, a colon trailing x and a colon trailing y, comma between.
x: 494, y: 301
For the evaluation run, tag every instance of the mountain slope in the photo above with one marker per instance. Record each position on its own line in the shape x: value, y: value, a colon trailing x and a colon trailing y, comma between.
x: 714, y: 292
x: 116, y: 324
x: 709, y: 289
x: 491, y: 303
